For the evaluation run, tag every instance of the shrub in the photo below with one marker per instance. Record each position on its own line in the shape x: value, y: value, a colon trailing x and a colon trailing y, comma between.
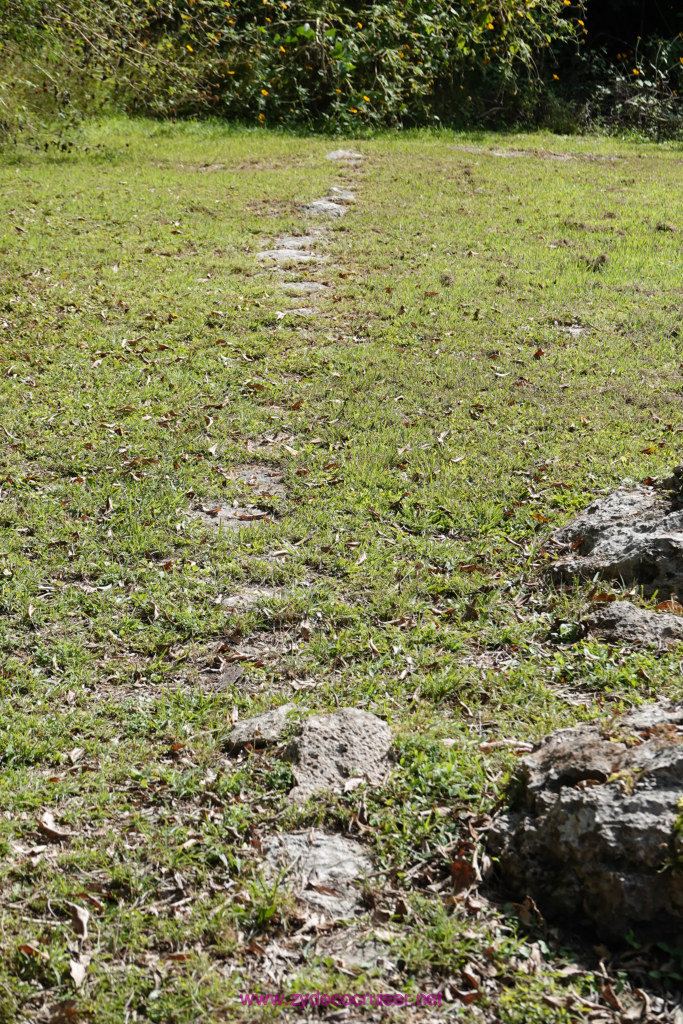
x: 339, y: 65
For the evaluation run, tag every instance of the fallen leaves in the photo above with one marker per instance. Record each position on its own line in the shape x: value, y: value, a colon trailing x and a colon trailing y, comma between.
x: 49, y: 828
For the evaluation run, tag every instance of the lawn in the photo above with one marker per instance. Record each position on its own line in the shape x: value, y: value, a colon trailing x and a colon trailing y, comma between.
x: 497, y: 343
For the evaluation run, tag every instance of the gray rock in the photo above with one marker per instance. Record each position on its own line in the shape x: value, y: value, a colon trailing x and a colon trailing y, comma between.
x: 342, y: 195
x: 344, y: 155
x: 322, y: 870
x: 339, y: 751
x: 326, y: 208
x: 592, y: 833
x: 288, y: 256
x: 634, y: 534
x: 260, y: 731
x: 623, y: 622
x: 303, y: 287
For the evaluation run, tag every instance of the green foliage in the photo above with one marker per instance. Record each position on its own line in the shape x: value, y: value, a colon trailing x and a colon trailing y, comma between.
x: 334, y: 64
x: 641, y: 89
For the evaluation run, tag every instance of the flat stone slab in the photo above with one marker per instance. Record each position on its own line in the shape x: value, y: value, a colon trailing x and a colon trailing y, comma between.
x: 325, y: 208
x: 623, y: 622
x: 322, y: 870
x: 350, y: 155
x: 247, y: 597
x: 300, y: 311
x: 342, y: 195
x: 228, y: 517
x: 303, y: 287
x: 289, y: 256
x: 337, y: 752
x: 260, y: 731
x: 593, y: 832
x: 306, y: 241
x: 634, y: 534
x: 262, y: 479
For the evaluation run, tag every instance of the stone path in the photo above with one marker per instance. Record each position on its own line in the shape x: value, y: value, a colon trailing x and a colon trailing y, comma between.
x: 336, y: 752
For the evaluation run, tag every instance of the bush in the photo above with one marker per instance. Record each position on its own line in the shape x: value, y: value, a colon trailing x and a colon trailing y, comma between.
x: 337, y: 65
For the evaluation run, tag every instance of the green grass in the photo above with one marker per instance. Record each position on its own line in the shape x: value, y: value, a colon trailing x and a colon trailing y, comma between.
x: 447, y: 422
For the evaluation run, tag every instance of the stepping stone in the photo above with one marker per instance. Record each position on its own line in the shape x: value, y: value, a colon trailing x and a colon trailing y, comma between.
x: 303, y: 287
x: 593, y: 828
x: 338, y: 752
x: 322, y: 870
x: 342, y: 195
x: 325, y: 208
x: 247, y: 597
x: 301, y: 311
x: 289, y: 256
x: 295, y: 241
x: 261, y: 731
x: 230, y: 518
x: 623, y: 622
x: 350, y: 155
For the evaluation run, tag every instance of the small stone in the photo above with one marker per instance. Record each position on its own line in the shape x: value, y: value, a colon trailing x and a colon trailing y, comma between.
x: 322, y: 870
x: 342, y: 195
x: 332, y: 749
x: 623, y: 622
x: 593, y: 831
x: 288, y: 256
x: 303, y: 287
x: 261, y: 731
x: 325, y: 207
x: 349, y: 155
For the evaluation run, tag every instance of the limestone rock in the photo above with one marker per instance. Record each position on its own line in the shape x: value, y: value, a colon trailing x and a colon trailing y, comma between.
x: 338, y: 751
x: 623, y: 622
x: 260, y: 731
x: 303, y: 287
x: 634, y: 534
x: 326, y: 208
x: 322, y: 870
x: 592, y: 833
x: 344, y: 155
x: 286, y: 255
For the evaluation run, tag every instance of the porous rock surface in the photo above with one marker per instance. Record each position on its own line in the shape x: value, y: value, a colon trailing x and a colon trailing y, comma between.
x: 592, y: 830
x: 322, y: 870
x: 623, y: 622
x: 633, y: 534
x: 336, y: 752
x: 259, y: 731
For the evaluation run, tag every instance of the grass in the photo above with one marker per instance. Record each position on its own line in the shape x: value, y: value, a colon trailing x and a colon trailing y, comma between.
x: 435, y: 420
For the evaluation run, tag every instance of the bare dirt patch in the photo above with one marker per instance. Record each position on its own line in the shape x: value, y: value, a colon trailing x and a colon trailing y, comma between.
x: 262, y: 482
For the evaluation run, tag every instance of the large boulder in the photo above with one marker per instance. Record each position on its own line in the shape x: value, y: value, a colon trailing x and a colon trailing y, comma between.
x: 634, y: 534
x: 593, y: 830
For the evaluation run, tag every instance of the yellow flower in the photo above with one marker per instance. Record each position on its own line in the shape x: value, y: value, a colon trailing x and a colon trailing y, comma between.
x: 367, y: 99
x: 556, y: 77
x: 579, y: 21
x: 264, y: 92
x: 188, y: 47
x: 337, y: 90
x: 282, y: 50
x: 636, y: 71
x: 360, y: 24
x: 490, y: 25
x: 353, y: 110
x: 231, y: 72
x: 262, y: 117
